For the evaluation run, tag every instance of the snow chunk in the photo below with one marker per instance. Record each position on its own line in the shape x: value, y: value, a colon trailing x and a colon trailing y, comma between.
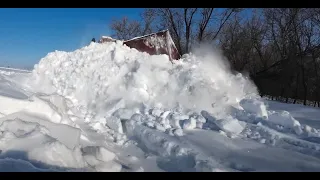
x: 178, y: 132
x: 263, y: 141
x: 137, y: 117
x: 160, y: 127
x: 108, y: 167
x: 230, y: 125
x: 199, y: 125
x: 91, y: 160
x: 100, y: 153
x: 55, y: 153
x: 165, y: 114
x: 156, y: 112
x: 123, y: 113
x: 284, y: 118
x: 198, y: 117
x: 254, y: 106
x: 190, y: 124
x: 57, y: 131
x: 114, y: 123
x: 105, y: 155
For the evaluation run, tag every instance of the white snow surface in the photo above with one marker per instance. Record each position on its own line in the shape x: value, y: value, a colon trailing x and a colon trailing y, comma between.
x: 107, y: 107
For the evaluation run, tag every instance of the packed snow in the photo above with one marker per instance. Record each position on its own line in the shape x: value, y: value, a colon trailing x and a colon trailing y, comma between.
x: 108, y: 107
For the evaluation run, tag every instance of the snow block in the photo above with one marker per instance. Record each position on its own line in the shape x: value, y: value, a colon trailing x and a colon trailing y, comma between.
x: 156, y: 112
x: 208, y: 116
x: 198, y: 117
x: 123, y: 113
x: 91, y: 160
x: 190, y: 124
x: 100, y: 153
x: 108, y: 167
x: 137, y: 117
x: 254, y: 106
x: 178, y: 132
x: 283, y: 118
x: 159, y: 127
x: 230, y: 125
x: 114, y: 123
x: 105, y: 155
x: 68, y: 135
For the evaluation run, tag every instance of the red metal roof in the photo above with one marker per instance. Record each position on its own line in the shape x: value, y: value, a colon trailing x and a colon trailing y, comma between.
x: 154, y: 44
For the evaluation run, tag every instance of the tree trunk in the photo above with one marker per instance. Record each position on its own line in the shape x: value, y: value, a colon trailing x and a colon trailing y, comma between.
x: 282, y: 91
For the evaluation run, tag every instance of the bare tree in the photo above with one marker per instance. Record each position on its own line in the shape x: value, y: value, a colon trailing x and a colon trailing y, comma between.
x: 125, y: 28
x: 206, y: 14
x: 188, y: 16
x: 223, y: 18
x: 173, y: 19
x: 148, y: 17
x: 279, y: 47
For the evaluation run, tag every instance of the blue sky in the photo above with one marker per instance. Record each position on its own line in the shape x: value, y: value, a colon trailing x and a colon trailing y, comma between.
x: 28, y: 34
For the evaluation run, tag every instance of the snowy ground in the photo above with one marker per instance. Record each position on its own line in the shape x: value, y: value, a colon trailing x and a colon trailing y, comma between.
x: 111, y: 108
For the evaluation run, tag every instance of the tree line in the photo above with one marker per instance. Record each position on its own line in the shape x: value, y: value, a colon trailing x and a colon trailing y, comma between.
x: 278, y: 47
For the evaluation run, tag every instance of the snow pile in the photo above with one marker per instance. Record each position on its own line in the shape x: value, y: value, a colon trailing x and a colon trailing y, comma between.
x: 101, y: 78
x: 80, y: 105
